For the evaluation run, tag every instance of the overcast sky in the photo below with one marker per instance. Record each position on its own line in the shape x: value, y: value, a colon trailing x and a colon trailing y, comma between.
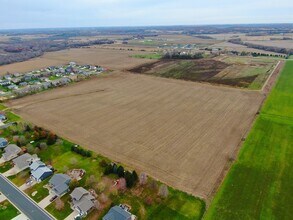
x: 95, y: 13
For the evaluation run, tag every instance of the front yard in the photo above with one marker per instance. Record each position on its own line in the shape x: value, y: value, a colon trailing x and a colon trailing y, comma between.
x: 5, y: 167
x: 38, y: 192
x: 63, y: 212
x: 8, y: 211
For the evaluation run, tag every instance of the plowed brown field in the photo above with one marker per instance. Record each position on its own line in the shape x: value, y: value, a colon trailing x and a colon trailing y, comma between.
x: 182, y: 133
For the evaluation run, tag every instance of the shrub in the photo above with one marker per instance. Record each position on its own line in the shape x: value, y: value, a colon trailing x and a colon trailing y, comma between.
x: 120, y: 171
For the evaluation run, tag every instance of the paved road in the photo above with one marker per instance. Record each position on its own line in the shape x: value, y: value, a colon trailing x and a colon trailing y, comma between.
x: 22, y: 201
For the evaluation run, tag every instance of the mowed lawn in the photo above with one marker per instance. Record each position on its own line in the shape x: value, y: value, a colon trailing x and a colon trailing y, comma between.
x: 8, y: 211
x: 259, y: 184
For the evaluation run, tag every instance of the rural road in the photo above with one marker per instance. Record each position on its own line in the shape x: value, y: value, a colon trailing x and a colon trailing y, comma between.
x: 22, y: 201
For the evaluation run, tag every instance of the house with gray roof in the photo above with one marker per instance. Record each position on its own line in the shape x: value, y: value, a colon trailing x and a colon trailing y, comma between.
x: 59, y: 184
x: 119, y: 213
x: 3, y: 143
x: 82, y: 201
x: 22, y: 162
x: 39, y: 171
x: 2, y: 118
x: 11, y: 151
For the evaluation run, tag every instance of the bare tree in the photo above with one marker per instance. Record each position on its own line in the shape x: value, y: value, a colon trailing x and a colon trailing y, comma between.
x: 143, y: 179
x: 59, y: 204
x: 153, y: 185
x: 163, y: 191
x: 103, y: 198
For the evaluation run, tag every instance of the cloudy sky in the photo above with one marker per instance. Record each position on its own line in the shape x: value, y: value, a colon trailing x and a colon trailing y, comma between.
x: 94, y: 13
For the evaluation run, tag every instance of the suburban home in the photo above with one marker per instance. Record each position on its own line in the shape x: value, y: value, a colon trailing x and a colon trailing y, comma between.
x: 2, y: 117
x: 22, y: 162
x: 5, y: 82
x: 59, y: 184
x: 3, y: 143
x: 23, y: 84
x: 82, y: 201
x: 12, y: 87
x: 119, y: 213
x: 11, y: 151
x: 39, y: 171
x: 16, y: 80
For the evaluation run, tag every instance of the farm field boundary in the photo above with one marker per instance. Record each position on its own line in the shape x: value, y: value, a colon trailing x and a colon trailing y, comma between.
x: 259, y: 184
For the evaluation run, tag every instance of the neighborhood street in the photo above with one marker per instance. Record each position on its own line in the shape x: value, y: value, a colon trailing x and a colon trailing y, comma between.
x: 22, y: 201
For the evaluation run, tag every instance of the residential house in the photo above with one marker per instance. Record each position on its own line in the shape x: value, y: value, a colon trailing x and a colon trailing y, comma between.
x: 8, y: 76
x: 119, y: 213
x: 3, y: 143
x: 39, y: 171
x: 46, y: 85
x: 22, y: 162
x: 72, y: 63
x: 5, y: 82
x: 11, y: 151
x: 82, y: 201
x: 2, y: 117
x: 59, y: 184
x: 16, y: 80
x: 12, y: 87
x: 16, y: 74
x: 23, y: 84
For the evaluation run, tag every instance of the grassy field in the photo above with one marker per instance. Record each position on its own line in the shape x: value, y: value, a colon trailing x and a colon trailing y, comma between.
x: 7, y: 211
x: 155, y: 56
x: 259, y: 184
x: 236, y: 71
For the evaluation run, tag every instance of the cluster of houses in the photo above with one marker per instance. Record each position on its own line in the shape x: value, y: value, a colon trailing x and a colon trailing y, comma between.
x: 82, y: 201
x: 17, y: 84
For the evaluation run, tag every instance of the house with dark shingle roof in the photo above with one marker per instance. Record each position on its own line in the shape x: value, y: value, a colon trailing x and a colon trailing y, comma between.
x: 82, y: 201
x: 59, y: 184
x: 22, y: 162
x: 11, y: 151
x: 119, y: 213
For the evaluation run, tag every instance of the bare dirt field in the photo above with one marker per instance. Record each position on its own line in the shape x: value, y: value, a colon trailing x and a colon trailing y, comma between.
x: 273, y: 43
x: 235, y: 71
x: 239, y: 48
x: 108, y: 58
x: 182, y: 133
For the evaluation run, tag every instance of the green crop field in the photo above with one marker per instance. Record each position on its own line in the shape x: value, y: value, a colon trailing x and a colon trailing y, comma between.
x: 259, y: 184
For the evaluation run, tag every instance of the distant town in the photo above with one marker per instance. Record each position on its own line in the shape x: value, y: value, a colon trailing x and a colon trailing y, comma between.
x: 13, y: 85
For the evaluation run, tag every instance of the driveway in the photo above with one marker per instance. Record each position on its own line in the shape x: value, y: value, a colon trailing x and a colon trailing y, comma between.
x: 11, y: 172
x: 21, y: 217
x: 2, y: 197
x: 26, y: 205
x: 46, y: 201
x: 71, y: 216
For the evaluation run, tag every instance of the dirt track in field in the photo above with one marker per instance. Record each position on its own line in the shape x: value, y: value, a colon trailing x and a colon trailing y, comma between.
x: 182, y: 133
